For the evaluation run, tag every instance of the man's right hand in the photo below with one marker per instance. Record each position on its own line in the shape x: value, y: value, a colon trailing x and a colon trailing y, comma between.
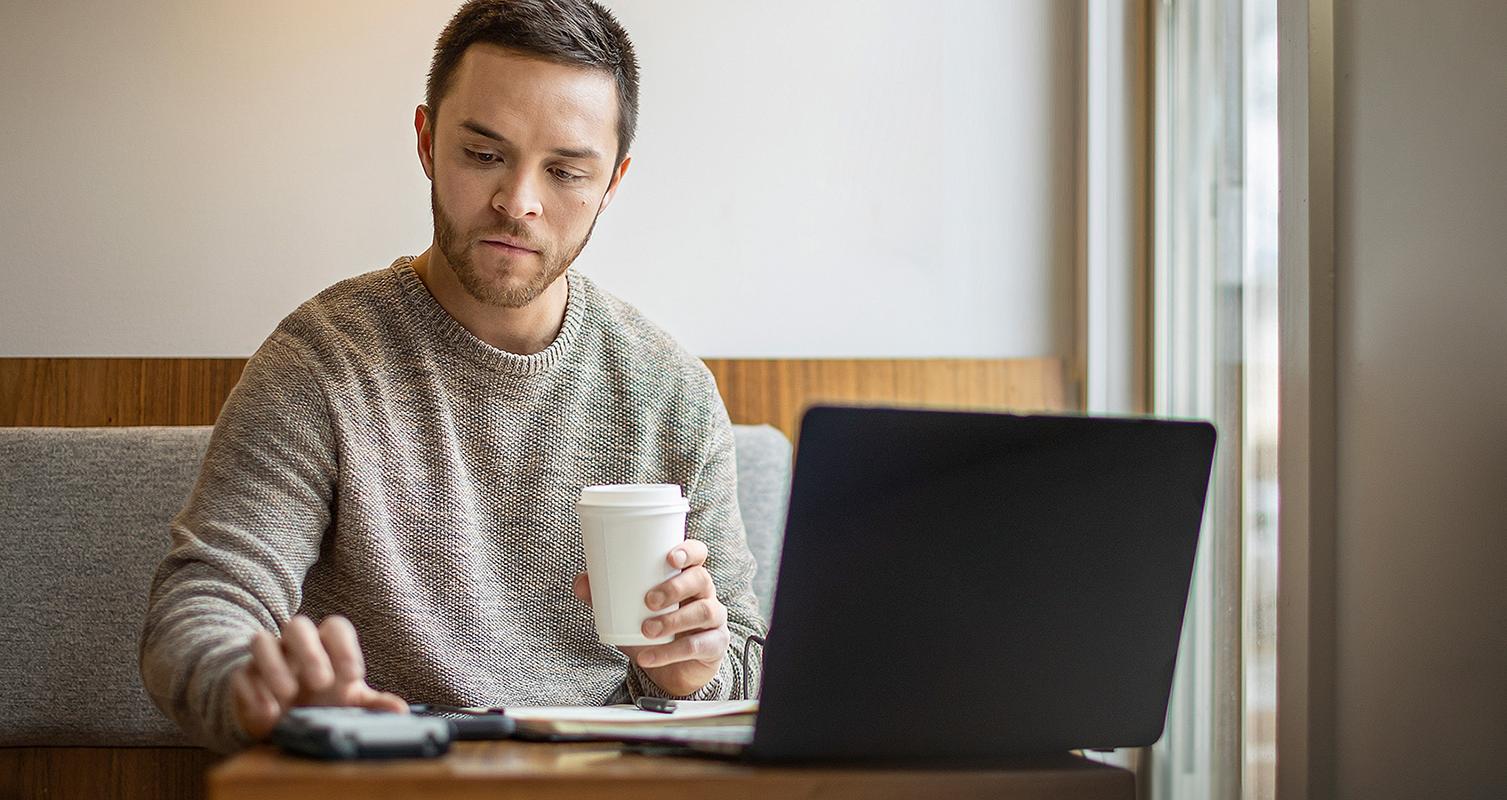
x: 308, y: 666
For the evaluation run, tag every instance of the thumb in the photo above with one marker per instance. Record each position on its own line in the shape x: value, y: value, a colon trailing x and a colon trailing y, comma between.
x: 382, y: 701
x: 581, y: 586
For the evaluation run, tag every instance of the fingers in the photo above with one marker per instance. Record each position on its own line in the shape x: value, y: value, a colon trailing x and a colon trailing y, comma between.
x: 689, y: 553
x: 383, y: 701
x: 269, y: 668
x: 580, y: 586
x: 706, y: 647
x: 255, y: 707
x: 306, y: 656
x: 690, y: 584
x: 339, y: 638
x: 701, y: 615
x: 307, y: 666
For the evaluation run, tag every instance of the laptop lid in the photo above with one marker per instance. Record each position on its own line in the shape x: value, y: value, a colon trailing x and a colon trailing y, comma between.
x: 960, y: 586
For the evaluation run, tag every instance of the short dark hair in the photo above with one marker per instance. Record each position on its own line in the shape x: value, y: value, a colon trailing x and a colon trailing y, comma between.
x: 572, y: 32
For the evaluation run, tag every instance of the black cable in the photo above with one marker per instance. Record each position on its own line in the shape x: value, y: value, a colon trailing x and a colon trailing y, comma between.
x: 746, y: 642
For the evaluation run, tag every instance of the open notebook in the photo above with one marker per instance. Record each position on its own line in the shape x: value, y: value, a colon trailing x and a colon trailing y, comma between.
x: 610, y: 722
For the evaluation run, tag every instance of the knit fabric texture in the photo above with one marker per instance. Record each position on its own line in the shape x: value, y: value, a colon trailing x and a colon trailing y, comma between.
x: 379, y: 461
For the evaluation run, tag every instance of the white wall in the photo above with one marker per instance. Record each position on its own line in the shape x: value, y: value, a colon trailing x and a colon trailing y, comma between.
x: 1420, y: 705
x: 849, y: 178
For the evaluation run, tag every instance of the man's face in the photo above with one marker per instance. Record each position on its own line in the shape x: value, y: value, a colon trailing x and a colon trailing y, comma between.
x: 520, y: 159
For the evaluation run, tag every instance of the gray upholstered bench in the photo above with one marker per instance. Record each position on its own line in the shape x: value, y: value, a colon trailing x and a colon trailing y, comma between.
x: 84, y: 518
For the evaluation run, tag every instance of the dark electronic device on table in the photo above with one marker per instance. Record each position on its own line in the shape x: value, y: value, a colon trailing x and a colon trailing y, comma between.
x: 967, y: 587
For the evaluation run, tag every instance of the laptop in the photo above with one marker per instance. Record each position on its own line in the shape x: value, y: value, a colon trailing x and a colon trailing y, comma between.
x: 968, y: 587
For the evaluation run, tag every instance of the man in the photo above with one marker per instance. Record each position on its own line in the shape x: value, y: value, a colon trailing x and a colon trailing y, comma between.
x: 402, y: 455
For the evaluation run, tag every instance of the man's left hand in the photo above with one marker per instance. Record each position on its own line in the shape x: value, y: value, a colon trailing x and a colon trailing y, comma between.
x: 699, y: 626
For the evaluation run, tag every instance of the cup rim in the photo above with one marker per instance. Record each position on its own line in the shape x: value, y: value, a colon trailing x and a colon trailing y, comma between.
x: 632, y: 495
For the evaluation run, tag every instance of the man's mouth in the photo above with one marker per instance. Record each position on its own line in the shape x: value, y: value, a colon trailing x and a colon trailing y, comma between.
x: 508, y: 246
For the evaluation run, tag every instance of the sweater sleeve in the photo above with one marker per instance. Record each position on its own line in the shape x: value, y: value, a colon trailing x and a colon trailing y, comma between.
x: 715, y: 519
x: 242, y: 544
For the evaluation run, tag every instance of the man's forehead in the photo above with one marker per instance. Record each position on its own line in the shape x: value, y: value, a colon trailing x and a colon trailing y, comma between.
x: 532, y: 101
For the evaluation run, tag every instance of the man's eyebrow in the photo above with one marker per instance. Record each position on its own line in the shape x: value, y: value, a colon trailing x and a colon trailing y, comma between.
x: 564, y: 152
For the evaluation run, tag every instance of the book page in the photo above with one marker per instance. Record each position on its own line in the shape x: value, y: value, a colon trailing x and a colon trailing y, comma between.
x: 685, y: 710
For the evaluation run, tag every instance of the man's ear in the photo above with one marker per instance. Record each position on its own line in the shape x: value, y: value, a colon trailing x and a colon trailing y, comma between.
x: 425, y: 132
x: 617, y: 178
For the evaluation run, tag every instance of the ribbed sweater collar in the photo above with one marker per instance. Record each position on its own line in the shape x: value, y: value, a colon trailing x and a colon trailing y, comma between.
x: 433, y: 317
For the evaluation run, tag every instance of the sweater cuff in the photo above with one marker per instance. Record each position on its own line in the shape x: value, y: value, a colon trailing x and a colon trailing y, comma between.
x: 720, y: 687
x: 218, y: 728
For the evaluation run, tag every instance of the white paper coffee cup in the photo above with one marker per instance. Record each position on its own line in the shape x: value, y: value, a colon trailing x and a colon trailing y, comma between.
x: 628, y: 531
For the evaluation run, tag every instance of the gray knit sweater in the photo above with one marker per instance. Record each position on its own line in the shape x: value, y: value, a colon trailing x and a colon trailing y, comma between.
x: 379, y: 461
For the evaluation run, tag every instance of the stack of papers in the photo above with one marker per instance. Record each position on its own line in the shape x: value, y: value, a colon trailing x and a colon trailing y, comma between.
x: 605, y: 721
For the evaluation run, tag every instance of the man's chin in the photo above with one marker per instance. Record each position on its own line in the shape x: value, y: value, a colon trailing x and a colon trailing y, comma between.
x: 505, y: 292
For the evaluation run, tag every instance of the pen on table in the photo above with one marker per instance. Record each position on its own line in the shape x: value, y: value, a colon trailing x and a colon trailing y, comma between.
x: 658, y: 704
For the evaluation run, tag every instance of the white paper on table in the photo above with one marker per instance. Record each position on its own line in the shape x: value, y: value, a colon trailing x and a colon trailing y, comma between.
x: 684, y: 709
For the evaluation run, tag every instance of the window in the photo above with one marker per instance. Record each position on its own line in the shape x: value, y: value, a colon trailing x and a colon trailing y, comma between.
x: 1214, y: 348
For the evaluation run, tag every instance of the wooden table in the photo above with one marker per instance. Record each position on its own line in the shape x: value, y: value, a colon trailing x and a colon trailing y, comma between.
x: 604, y: 770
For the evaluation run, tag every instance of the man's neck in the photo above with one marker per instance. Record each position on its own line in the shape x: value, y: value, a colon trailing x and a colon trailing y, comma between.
x: 523, y: 331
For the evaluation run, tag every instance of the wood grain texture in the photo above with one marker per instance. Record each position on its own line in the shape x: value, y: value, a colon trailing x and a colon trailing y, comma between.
x: 604, y: 770
x: 778, y: 391
x: 104, y: 773
x: 79, y: 392
x: 75, y: 392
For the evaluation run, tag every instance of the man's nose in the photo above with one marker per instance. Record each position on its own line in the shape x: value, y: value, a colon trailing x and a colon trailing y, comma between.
x: 518, y: 195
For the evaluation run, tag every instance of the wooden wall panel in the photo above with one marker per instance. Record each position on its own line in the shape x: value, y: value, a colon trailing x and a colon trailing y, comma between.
x: 105, y: 392
x: 73, y: 392
x: 777, y: 391
x: 104, y: 773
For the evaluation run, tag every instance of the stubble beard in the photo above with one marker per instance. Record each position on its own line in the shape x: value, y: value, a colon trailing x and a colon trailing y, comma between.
x: 457, y: 252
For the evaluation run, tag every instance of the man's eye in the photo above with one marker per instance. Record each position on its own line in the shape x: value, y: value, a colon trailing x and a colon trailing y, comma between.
x: 485, y: 158
x: 567, y: 177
